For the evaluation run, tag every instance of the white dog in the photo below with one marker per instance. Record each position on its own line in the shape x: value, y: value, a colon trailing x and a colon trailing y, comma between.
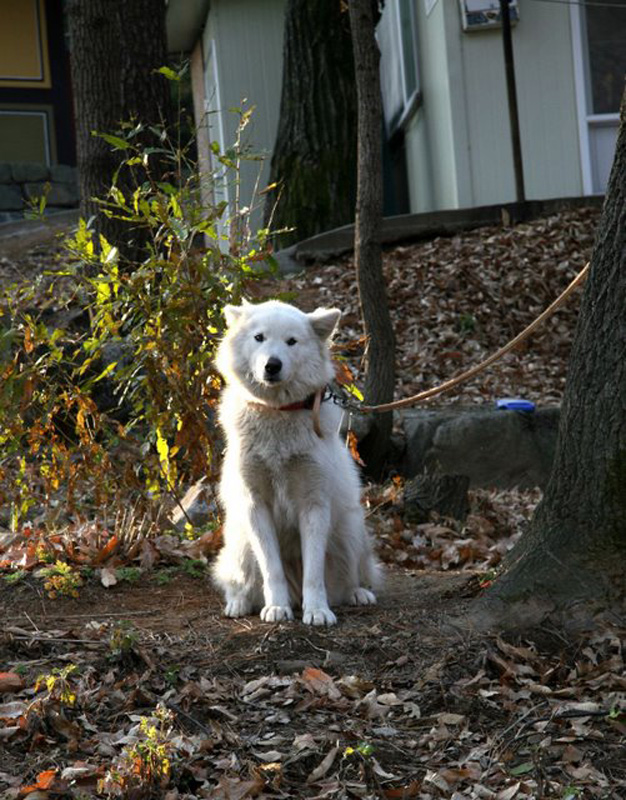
x: 294, y: 531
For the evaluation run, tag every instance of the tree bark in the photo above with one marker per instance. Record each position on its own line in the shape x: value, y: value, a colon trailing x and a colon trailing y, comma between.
x: 115, y: 48
x: 315, y: 152
x: 380, y: 365
x: 574, y: 555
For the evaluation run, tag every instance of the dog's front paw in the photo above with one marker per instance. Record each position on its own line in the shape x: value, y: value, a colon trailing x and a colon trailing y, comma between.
x: 276, y: 613
x: 362, y: 597
x: 238, y: 607
x: 319, y: 616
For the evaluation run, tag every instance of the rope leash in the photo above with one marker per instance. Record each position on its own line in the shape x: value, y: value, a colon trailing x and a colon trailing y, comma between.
x: 465, y: 376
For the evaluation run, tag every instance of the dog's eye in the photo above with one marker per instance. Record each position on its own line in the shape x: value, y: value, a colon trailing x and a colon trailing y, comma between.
x: 292, y: 341
x: 259, y: 337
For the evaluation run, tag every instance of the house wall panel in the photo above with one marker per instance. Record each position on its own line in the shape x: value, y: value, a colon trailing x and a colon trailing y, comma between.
x: 459, y: 144
x: 23, y: 45
x: 429, y: 139
x: 248, y: 40
x: 547, y: 101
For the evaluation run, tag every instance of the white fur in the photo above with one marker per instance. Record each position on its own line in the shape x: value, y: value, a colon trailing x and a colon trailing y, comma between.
x: 294, y: 533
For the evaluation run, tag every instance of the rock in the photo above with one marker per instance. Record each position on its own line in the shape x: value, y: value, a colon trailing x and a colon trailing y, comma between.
x: 33, y: 191
x: 198, y: 507
x: 63, y: 173
x: 286, y: 260
x: 64, y: 195
x: 5, y: 173
x: 29, y: 171
x: 445, y: 494
x: 10, y: 198
x: 502, y: 449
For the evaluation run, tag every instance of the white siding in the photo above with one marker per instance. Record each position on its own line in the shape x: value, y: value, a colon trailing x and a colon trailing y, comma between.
x: 429, y: 139
x: 462, y: 132
x: 248, y: 38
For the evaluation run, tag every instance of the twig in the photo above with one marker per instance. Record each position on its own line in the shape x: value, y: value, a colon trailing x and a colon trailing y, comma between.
x: 30, y: 619
x: 110, y: 614
x: 567, y: 714
x: 30, y: 638
x: 179, y: 711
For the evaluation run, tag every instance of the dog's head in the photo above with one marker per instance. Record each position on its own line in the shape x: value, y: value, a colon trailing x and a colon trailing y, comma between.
x: 276, y: 352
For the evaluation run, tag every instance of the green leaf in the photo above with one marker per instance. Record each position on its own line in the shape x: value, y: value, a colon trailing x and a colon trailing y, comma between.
x: 166, y: 187
x: 522, y: 769
x: 169, y: 73
x: 354, y: 391
x: 106, y: 371
x: 115, y: 141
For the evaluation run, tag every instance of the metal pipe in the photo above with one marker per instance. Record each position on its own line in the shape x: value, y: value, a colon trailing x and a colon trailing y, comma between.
x: 509, y: 66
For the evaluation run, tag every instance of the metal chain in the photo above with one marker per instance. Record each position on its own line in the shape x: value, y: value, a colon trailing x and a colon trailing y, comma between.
x: 344, y: 401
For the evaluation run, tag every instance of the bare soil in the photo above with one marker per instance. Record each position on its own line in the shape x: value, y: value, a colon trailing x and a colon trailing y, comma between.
x: 392, y: 702
x: 188, y: 611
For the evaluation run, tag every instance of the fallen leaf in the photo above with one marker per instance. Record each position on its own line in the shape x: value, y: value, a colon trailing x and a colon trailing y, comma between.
x: 509, y: 793
x: 12, y: 710
x: 400, y: 792
x: 10, y: 682
x: 324, y: 766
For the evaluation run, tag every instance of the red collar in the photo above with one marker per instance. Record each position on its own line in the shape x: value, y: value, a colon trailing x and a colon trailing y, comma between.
x: 307, y: 404
x: 310, y: 403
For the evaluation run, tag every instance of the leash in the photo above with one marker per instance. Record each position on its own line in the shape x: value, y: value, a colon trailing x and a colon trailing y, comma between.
x: 469, y: 373
x: 314, y: 402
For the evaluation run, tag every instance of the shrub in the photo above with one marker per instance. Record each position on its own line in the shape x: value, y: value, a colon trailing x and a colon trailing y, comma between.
x: 109, y: 397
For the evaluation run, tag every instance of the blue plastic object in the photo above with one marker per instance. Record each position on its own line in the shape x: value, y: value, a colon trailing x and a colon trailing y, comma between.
x: 515, y: 404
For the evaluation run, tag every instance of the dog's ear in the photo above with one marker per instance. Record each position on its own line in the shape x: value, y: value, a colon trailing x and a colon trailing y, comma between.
x: 233, y: 313
x: 324, y: 321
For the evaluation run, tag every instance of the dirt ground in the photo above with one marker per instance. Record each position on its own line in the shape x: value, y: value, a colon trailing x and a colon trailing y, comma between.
x: 389, y: 703
x: 187, y: 611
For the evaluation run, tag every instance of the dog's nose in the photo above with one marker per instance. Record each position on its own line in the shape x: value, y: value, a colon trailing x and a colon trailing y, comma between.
x: 273, y: 366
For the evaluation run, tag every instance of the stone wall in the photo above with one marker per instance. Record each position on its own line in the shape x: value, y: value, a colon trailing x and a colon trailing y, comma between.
x: 493, y: 448
x: 20, y: 181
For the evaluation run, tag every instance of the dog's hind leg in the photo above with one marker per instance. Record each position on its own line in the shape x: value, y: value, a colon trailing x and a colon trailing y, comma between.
x: 236, y: 573
x: 353, y: 572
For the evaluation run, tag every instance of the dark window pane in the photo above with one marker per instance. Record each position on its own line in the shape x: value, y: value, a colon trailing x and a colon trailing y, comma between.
x: 408, y: 47
x: 606, y: 32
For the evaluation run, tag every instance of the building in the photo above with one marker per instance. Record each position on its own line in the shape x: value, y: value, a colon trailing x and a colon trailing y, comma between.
x: 236, y: 49
x: 36, y: 113
x: 448, y: 142
x: 446, y: 108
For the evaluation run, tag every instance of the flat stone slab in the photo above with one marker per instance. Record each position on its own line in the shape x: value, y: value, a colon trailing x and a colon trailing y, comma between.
x: 500, y: 449
x: 414, y: 227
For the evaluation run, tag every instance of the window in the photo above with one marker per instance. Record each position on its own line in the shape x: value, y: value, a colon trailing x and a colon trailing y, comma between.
x: 398, y: 64
x: 606, y: 37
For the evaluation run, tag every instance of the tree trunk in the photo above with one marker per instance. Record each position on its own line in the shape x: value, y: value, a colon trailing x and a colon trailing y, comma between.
x: 380, y: 366
x: 115, y: 48
x: 574, y: 554
x: 315, y: 152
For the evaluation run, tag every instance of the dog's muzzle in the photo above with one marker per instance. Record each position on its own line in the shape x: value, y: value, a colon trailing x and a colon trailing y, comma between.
x: 272, y: 370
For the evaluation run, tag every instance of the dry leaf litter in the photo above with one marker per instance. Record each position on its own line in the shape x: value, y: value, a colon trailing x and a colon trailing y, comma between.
x: 139, y: 689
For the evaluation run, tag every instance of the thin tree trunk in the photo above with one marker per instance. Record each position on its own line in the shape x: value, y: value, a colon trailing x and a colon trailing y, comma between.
x: 115, y: 48
x: 315, y: 151
x: 574, y: 554
x: 380, y: 367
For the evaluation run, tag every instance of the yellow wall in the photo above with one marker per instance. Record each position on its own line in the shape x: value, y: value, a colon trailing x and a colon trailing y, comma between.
x: 23, y: 45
